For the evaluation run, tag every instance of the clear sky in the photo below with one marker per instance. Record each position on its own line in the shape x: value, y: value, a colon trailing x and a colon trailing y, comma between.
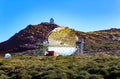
x: 82, y: 15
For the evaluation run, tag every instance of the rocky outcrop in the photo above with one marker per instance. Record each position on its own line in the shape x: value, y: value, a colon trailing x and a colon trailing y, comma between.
x: 27, y: 38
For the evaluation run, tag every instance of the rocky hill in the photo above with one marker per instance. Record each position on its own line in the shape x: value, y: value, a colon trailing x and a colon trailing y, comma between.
x: 107, y: 41
x: 27, y: 38
x: 97, y: 41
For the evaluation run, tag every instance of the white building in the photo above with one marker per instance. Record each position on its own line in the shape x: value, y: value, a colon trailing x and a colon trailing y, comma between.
x: 7, y: 55
x: 51, y: 21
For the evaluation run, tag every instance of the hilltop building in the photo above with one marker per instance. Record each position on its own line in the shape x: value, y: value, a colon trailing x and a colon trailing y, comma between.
x: 51, y: 21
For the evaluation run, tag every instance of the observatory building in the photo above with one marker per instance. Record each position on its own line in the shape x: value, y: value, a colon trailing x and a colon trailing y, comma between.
x: 51, y: 21
x: 7, y: 55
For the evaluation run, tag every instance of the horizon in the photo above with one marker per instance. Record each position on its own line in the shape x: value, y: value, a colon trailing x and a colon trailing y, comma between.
x: 81, y: 15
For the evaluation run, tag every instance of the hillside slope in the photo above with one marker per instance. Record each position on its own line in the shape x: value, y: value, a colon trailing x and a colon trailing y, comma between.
x: 97, y: 41
x: 27, y: 38
x: 101, y: 41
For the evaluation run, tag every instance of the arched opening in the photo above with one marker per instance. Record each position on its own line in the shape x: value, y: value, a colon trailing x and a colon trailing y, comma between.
x: 62, y: 40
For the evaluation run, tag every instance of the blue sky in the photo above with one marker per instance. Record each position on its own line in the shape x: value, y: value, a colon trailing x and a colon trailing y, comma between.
x: 82, y: 15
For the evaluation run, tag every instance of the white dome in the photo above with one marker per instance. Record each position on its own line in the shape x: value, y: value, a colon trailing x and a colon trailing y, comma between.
x: 7, y: 55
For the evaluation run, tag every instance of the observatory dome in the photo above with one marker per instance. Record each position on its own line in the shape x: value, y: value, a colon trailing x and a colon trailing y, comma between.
x: 51, y: 21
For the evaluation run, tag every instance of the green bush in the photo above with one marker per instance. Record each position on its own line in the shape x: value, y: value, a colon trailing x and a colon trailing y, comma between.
x: 62, y: 67
x: 3, y: 76
x: 114, y: 75
x: 94, y: 76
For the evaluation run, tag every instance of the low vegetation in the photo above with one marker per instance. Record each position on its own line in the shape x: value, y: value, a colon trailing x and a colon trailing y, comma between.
x: 66, y: 36
x: 111, y: 48
x: 107, y: 41
x: 67, y: 67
